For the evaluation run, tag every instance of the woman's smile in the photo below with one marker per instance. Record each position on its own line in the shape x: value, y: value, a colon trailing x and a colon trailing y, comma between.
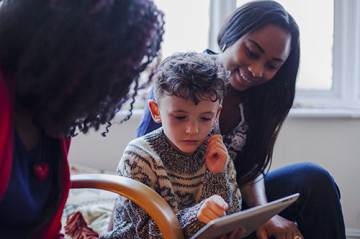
x: 242, y: 78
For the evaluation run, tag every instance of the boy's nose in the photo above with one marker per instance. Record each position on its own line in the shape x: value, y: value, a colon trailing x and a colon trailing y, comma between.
x: 192, y: 128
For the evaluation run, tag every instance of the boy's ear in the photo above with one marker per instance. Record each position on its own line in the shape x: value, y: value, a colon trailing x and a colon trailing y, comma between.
x: 155, y: 112
x: 218, y: 111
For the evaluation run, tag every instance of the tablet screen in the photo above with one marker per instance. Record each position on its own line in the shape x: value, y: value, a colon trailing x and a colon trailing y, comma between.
x: 249, y: 219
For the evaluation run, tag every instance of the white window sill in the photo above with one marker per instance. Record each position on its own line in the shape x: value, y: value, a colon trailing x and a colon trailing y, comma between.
x: 324, y: 113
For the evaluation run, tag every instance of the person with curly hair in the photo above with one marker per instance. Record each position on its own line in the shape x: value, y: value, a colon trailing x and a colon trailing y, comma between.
x: 260, y: 47
x: 64, y: 66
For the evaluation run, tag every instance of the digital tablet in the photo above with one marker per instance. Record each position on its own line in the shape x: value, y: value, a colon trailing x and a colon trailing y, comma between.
x: 249, y: 219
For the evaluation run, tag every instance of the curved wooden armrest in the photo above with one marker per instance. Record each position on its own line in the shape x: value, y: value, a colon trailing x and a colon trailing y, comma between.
x: 144, y: 196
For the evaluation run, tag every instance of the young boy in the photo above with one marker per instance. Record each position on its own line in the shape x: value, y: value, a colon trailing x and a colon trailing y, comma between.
x: 180, y: 161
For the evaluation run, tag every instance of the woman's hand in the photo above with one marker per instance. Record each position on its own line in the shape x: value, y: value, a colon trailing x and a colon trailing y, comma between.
x: 235, y: 234
x: 278, y: 227
x: 216, y: 153
x: 213, y: 207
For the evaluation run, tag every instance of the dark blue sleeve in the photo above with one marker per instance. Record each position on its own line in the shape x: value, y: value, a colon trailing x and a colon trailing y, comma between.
x: 147, y: 123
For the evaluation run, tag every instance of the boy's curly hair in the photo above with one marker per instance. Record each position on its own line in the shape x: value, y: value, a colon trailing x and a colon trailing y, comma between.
x: 191, y: 75
x: 73, y: 61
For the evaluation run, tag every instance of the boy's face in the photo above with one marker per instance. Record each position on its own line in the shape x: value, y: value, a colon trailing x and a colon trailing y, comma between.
x: 185, y: 124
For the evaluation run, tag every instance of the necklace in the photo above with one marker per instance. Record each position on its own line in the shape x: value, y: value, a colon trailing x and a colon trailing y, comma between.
x: 41, y: 171
x: 28, y: 134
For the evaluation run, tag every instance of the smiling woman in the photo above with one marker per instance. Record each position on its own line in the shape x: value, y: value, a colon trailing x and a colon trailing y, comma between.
x: 317, y: 28
x: 256, y: 57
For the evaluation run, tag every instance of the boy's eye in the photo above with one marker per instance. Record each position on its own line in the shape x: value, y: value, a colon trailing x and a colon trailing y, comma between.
x: 179, y: 117
x: 206, y: 119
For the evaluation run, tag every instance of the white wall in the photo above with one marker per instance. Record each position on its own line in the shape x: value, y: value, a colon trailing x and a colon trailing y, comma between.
x: 333, y: 143
x: 100, y: 152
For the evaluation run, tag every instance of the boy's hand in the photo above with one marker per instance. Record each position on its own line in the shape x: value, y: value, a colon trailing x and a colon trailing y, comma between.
x: 213, y: 207
x: 216, y: 153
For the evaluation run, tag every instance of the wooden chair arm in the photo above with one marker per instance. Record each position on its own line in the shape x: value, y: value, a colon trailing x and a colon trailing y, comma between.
x: 144, y: 196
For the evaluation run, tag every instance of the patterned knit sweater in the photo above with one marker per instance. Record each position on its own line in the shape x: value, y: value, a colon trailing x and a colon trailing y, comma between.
x: 183, y: 181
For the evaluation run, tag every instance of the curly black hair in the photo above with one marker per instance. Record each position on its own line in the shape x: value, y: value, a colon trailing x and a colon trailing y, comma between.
x: 73, y: 61
x: 191, y: 75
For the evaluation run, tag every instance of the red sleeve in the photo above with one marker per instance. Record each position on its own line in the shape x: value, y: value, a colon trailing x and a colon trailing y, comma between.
x: 6, y: 137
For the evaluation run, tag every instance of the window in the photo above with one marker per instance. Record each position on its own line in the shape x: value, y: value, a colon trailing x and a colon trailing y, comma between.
x: 187, y: 24
x: 345, y: 52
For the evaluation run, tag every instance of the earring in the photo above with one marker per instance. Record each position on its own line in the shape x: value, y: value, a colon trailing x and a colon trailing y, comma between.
x: 223, y: 48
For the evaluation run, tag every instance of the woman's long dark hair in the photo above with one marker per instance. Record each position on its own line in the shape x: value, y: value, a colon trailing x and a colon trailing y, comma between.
x: 73, y: 61
x: 266, y: 106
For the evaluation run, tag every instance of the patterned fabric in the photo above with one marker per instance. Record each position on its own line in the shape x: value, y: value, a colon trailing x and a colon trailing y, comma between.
x: 95, y: 205
x: 183, y: 181
x: 235, y: 139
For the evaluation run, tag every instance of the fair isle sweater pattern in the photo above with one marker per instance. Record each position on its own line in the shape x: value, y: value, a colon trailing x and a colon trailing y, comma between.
x: 183, y: 181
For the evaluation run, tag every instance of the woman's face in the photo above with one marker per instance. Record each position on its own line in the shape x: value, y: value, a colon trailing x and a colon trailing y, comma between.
x: 257, y: 56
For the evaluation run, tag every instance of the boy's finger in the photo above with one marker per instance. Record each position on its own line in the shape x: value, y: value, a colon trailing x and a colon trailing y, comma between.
x: 215, y: 146
x: 218, y: 154
x: 214, y: 207
x: 215, y: 137
x: 220, y: 202
x: 214, y: 212
x: 203, y: 218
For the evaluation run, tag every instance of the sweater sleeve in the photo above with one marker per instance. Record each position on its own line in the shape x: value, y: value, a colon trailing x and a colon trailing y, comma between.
x: 130, y: 220
x: 188, y: 220
x: 223, y: 184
